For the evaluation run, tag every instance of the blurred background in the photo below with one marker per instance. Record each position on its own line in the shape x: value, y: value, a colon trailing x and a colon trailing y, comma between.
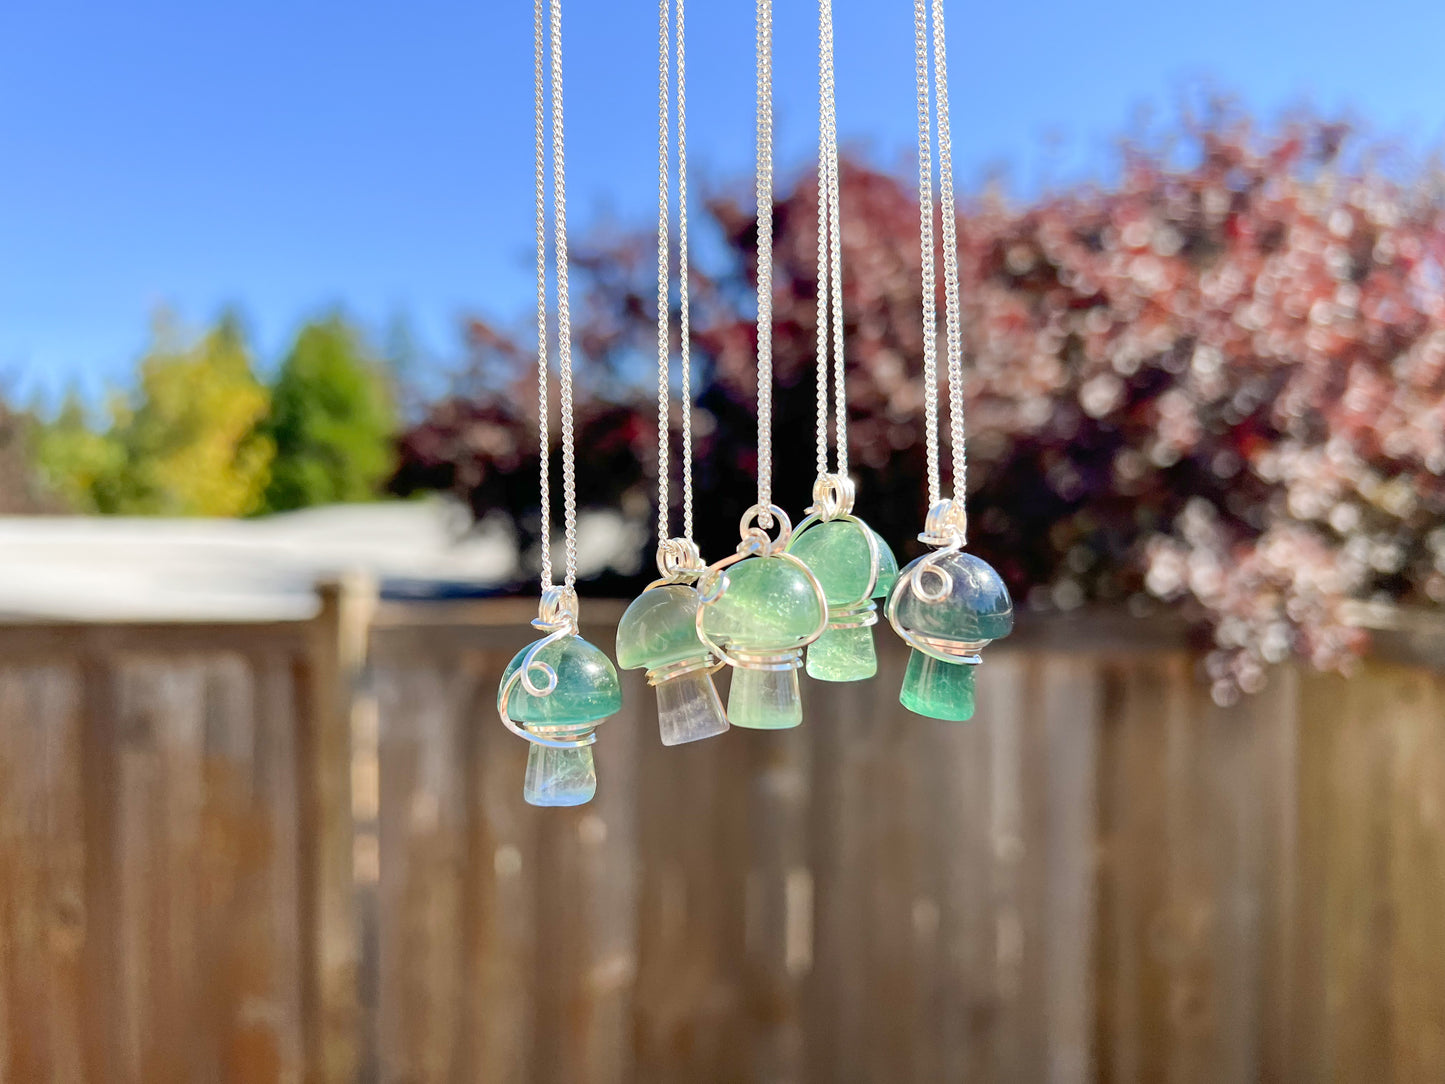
x: 269, y: 533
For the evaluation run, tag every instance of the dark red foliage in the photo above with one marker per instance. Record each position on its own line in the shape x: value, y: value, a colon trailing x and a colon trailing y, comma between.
x: 1221, y: 384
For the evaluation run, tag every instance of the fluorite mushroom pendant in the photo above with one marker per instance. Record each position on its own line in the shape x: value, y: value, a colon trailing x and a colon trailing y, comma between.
x: 760, y: 607
x: 554, y: 693
x: 947, y: 605
x: 854, y: 566
x: 659, y: 633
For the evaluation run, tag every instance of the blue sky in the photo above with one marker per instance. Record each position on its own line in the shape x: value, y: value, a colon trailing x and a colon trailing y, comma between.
x: 285, y: 156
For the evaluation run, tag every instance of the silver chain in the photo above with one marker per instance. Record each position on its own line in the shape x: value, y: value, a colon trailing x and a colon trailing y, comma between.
x: 953, y: 308
x: 664, y: 221
x: 830, y: 253
x: 765, y: 259
x: 954, y: 314
x: 925, y: 242
x: 664, y: 343
x: 539, y: 66
x: 684, y: 319
x: 564, y: 314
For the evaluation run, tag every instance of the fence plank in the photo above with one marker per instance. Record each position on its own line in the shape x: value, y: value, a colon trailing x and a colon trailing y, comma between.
x: 1132, y: 1035
x: 1063, y: 770
x: 422, y: 834
x: 690, y: 924
x: 504, y: 935
x: 336, y: 647
x: 777, y: 901
x: 1417, y: 871
x: 1357, y: 907
x: 42, y: 888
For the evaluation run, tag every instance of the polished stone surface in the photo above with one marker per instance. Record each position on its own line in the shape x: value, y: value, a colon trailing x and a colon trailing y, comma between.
x: 843, y: 655
x: 587, y: 687
x: 765, y: 699
x: 658, y: 628
x: 937, y: 689
x: 837, y: 553
x: 688, y: 709
x: 977, y: 609
x: 769, y: 604
x: 559, y: 777
x: 587, y: 692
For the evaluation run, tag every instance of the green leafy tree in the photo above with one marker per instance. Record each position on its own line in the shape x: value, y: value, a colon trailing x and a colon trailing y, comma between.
x: 73, y: 458
x: 192, y: 446
x: 332, y: 420
x: 185, y: 442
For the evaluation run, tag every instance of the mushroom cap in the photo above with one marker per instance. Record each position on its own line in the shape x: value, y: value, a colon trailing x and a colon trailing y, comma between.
x: 977, y: 608
x: 837, y: 553
x: 770, y: 604
x: 659, y: 627
x: 587, y: 688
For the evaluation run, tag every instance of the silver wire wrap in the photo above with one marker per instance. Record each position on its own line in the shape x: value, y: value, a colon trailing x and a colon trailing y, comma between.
x: 945, y: 528
x: 713, y: 584
x: 557, y: 617
x: 703, y: 663
x: 833, y: 496
x: 678, y: 561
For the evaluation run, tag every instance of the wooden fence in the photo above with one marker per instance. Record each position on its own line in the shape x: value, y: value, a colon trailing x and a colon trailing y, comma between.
x: 298, y: 852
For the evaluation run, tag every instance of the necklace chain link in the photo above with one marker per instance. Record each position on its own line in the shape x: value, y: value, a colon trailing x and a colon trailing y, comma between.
x: 765, y: 258
x: 664, y: 222
x: 953, y: 316
x: 830, y: 255
x: 564, y: 316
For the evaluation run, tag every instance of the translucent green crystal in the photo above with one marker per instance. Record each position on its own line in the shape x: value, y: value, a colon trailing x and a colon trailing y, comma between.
x: 843, y: 655
x: 937, y: 689
x: 688, y: 709
x: 978, y: 608
x: 587, y: 692
x: 660, y: 629
x: 765, y: 699
x: 837, y: 553
x: 587, y: 688
x: 769, y: 605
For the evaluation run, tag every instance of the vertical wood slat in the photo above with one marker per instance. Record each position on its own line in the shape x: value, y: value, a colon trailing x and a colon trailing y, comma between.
x: 501, y: 891
x: 1350, y: 830
x: 1063, y: 768
x: 42, y: 888
x: 336, y: 658
x: 100, y: 787
x: 691, y: 909
x: 422, y: 990
x: 1417, y: 879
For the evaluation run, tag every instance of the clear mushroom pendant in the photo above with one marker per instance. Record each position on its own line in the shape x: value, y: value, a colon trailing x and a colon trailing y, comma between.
x: 760, y: 607
x: 659, y: 633
x: 854, y: 566
x: 555, y: 692
x: 947, y: 606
